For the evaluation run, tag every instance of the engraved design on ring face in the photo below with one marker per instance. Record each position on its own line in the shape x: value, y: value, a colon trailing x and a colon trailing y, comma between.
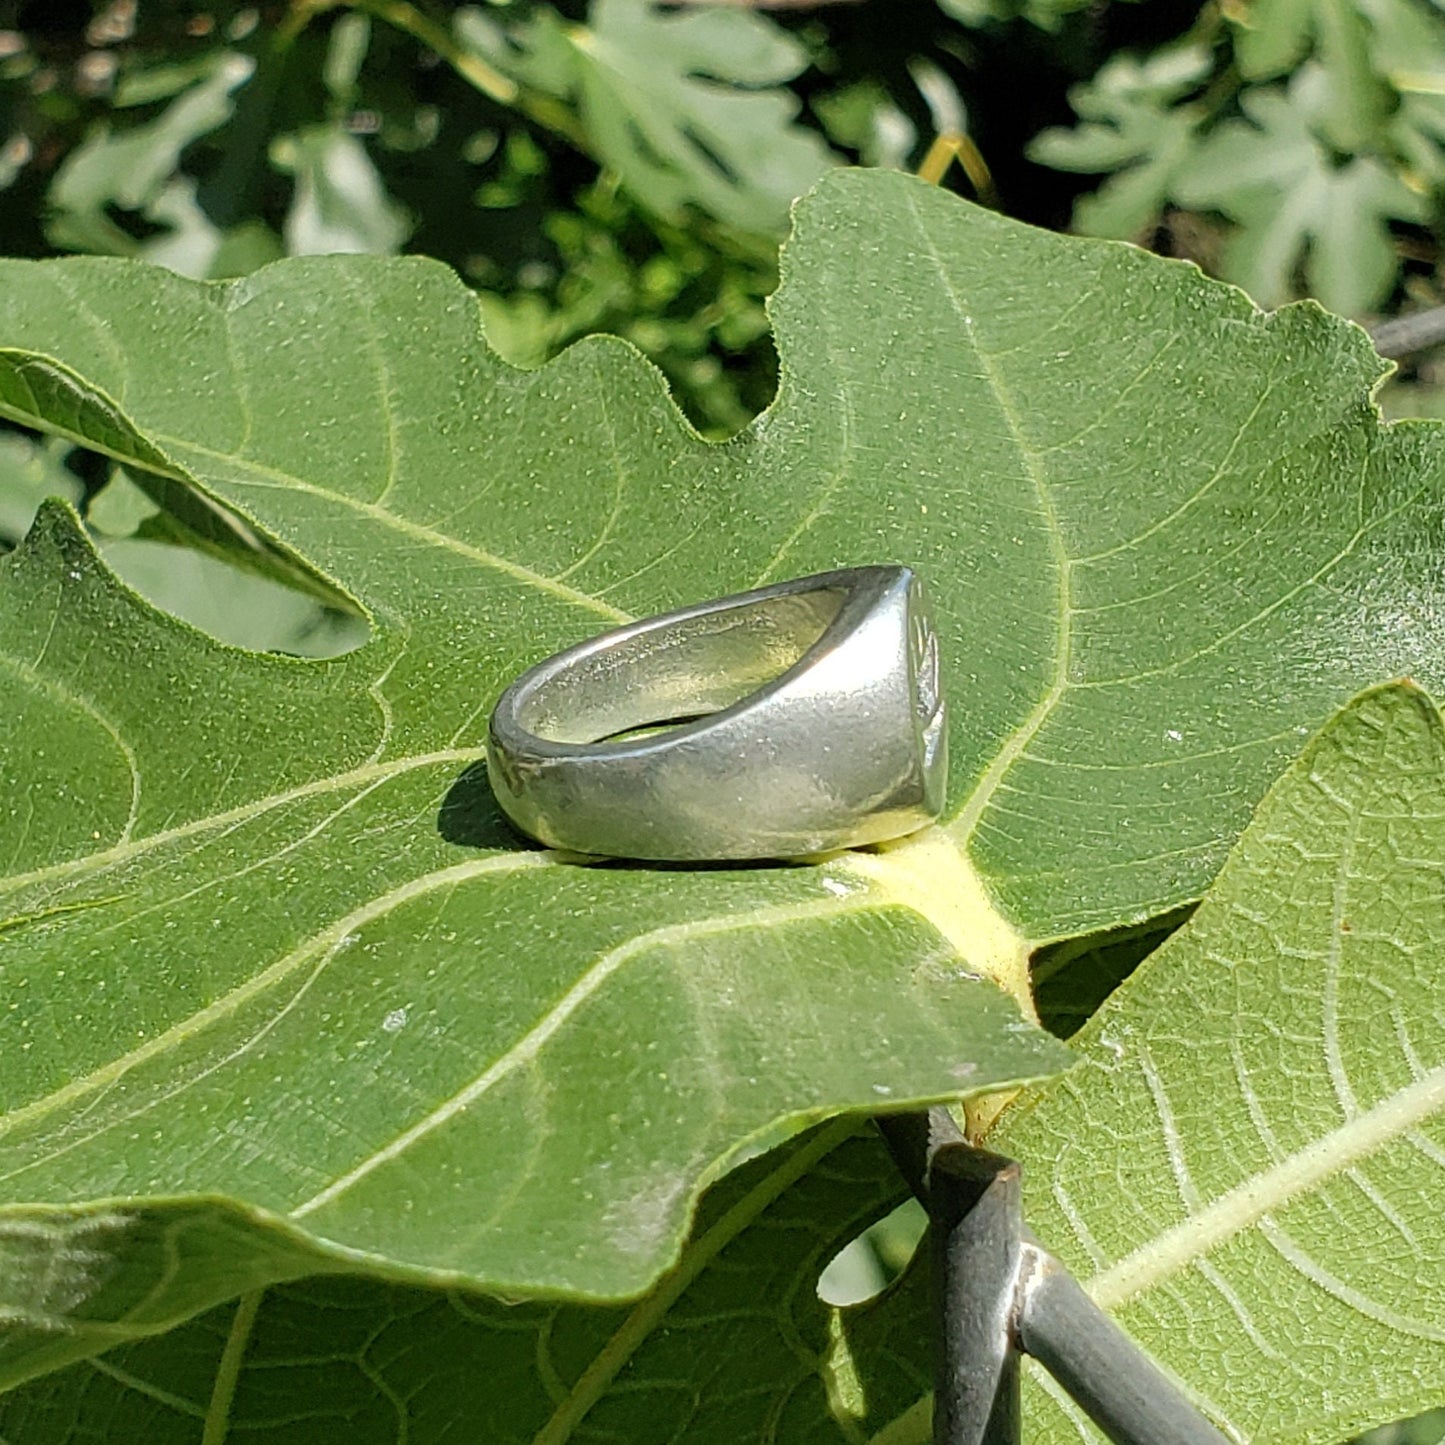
x: 927, y: 689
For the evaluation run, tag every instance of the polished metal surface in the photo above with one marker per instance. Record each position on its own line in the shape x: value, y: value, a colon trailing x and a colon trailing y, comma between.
x: 797, y: 718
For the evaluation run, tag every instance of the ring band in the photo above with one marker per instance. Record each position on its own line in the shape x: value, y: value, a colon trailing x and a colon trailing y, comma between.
x: 799, y: 718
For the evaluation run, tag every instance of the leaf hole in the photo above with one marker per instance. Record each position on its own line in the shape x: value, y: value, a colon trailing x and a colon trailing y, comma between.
x: 185, y: 553
x: 867, y: 1265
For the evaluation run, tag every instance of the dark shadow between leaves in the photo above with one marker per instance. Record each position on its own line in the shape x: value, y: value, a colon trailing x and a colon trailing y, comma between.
x: 721, y: 865
x: 1072, y: 979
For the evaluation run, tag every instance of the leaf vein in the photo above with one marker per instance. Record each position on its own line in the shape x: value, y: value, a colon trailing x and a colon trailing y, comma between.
x: 120, y: 853
x: 325, y: 941
x: 1251, y: 1200
x: 1295, y: 1255
x: 71, y: 698
x: 546, y: 1028
x: 262, y: 475
x: 1014, y: 746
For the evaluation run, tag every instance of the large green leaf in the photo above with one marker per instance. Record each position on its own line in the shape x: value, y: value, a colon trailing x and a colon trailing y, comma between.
x: 269, y: 940
x: 734, y: 1344
x: 687, y: 108
x: 1247, y: 1168
x: 1264, y: 1102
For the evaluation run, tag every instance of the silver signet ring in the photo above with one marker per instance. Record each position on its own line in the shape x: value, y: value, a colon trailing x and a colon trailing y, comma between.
x: 796, y: 718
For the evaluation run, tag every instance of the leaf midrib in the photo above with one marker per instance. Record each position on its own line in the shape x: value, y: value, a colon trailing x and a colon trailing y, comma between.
x: 317, y: 949
x: 1255, y: 1197
x: 560, y: 1012
x: 966, y: 822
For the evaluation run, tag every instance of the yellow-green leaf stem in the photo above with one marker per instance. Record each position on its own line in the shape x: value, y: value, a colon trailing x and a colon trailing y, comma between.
x: 930, y: 874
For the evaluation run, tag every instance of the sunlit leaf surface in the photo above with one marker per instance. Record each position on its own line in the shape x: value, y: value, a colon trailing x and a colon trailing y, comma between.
x: 1264, y: 1108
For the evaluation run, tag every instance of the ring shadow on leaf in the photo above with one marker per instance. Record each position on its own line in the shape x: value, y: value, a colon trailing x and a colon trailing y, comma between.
x: 471, y: 817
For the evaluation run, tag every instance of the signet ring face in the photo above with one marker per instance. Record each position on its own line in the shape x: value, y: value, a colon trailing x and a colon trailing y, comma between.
x: 799, y: 718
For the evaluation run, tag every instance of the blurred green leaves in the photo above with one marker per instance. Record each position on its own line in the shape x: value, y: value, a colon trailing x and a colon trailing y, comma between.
x: 340, y: 205
x: 134, y: 168
x: 1296, y: 204
x: 627, y: 165
x: 235, y: 593
x: 1134, y: 128
x: 366, y: 128
x: 684, y: 106
x: 136, y: 184
x: 689, y: 301
x: 1314, y: 126
x: 30, y: 471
